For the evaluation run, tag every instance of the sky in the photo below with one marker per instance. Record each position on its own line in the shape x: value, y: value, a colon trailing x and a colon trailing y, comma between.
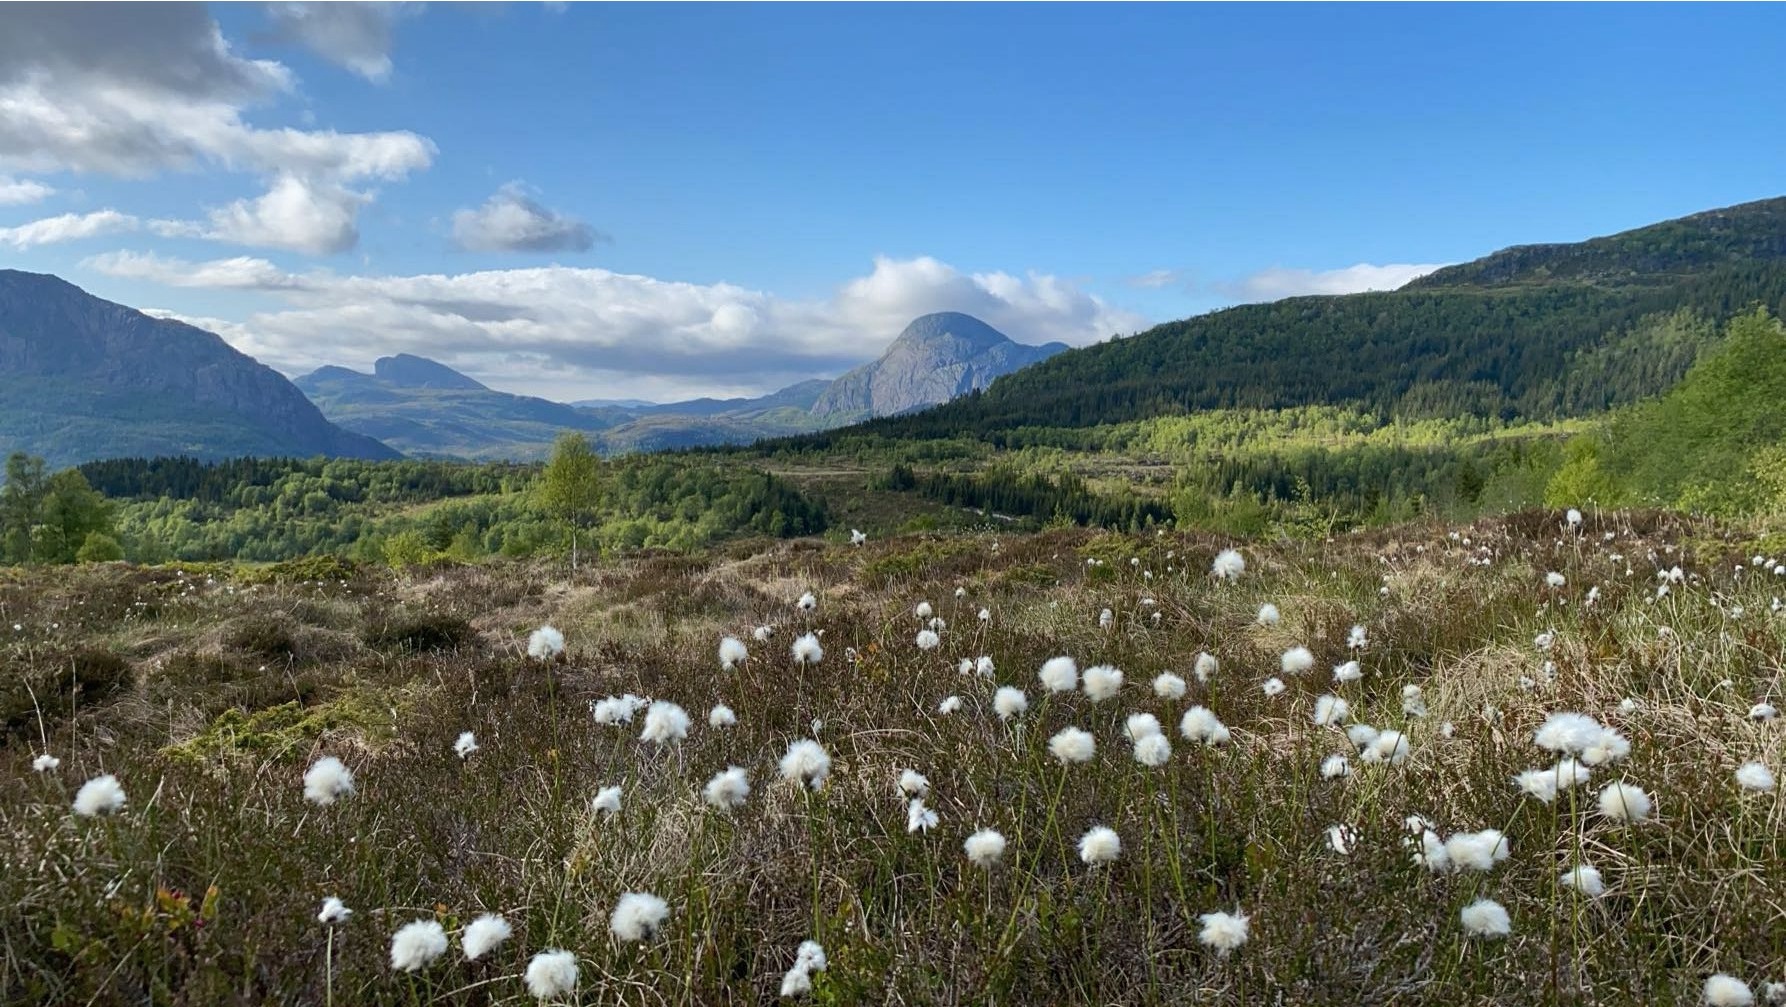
x: 658, y: 202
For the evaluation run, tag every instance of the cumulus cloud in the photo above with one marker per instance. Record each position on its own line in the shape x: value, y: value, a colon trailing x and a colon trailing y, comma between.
x: 19, y: 191
x: 352, y: 35
x: 512, y: 221
x: 67, y: 227
x: 1278, y: 282
x: 137, y: 89
x: 587, y: 333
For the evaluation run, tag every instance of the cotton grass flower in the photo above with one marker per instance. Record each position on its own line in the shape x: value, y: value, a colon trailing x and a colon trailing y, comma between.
x: 1585, y: 879
x: 806, y: 650
x: 1009, y: 702
x: 1297, y: 660
x: 1228, y: 566
x: 1200, y: 724
x: 1225, y: 932
x: 1755, y: 777
x: 1331, y: 711
x: 1486, y: 918
x: 807, y: 602
x: 1102, y: 681
x: 762, y: 634
x: 857, y: 536
x: 638, y: 917
x: 1205, y: 666
x: 984, y: 667
x: 928, y: 640
x: 333, y: 911
x: 721, y: 716
x: 1623, y: 802
x: 1268, y: 615
x: 467, y: 744
x: 984, y: 848
x: 950, y: 704
x: 1413, y: 703
x: 1477, y: 851
x: 919, y: 818
x: 1168, y: 686
x: 1361, y: 735
x: 1351, y: 671
x: 552, y: 974
x: 1059, y: 674
x: 1153, y: 751
x: 1100, y: 845
x: 665, y: 723
x: 1388, y: 746
x: 924, y: 611
x: 607, y: 801
x: 1763, y: 711
x: 483, y: 934
x: 808, y: 959
x: 545, y: 643
x: 807, y: 762
x: 1140, y: 725
x: 45, y: 763
x: 1545, y: 784
x: 1723, y: 990
x: 1335, y: 766
x: 986, y: 615
x: 326, y: 781
x: 913, y: 783
x: 616, y: 710
x: 1356, y: 639
x: 728, y: 789
x: 417, y: 944
x: 1273, y: 686
x: 1555, y: 580
x: 1072, y: 745
x: 732, y: 653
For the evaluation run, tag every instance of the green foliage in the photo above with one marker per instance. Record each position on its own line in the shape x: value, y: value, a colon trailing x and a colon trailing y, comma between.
x: 53, y: 519
x: 99, y: 547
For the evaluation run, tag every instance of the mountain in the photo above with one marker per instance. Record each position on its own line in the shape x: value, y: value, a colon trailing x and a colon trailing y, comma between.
x: 796, y: 396
x: 423, y: 407
x: 1538, y: 332
x: 937, y: 358
x: 83, y: 378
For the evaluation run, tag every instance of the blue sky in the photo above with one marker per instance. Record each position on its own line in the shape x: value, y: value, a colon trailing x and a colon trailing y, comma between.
x: 659, y: 201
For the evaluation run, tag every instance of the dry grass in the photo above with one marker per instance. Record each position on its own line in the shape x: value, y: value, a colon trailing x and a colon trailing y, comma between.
x: 234, y: 687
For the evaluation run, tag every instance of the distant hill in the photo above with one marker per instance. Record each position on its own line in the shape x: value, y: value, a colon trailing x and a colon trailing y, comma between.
x: 82, y: 378
x: 1537, y: 332
x: 426, y: 408
x: 937, y: 358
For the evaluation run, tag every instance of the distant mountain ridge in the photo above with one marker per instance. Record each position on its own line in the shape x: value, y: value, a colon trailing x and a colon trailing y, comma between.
x: 938, y: 357
x: 82, y: 378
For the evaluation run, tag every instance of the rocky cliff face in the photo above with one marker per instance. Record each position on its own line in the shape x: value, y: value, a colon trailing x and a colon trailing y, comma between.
x: 936, y: 358
x: 84, y: 378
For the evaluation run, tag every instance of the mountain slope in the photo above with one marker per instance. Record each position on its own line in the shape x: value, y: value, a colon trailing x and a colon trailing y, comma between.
x: 937, y: 358
x: 83, y: 378
x: 423, y: 407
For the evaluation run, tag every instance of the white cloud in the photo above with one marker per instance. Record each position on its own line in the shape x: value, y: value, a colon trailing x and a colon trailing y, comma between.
x: 19, y: 191
x: 353, y: 35
x: 1278, y: 282
x: 590, y: 333
x: 67, y: 227
x: 1155, y: 279
x: 134, y: 90
x: 512, y: 221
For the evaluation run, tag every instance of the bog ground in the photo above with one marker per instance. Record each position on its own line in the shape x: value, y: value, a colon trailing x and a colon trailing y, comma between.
x: 210, y: 692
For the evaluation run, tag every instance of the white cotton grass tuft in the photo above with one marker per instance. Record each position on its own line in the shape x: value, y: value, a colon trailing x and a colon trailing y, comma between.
x: 1273, y: 686
x: 1059, y: 674
x: 545, y: 643
x: 1153, y: 751
x: 858, y: 536
x: 1755, y: 777
x: 1331, y: 711
x: 1100, y: 845
x: 807, y: 762
x: 665, y: 723
x: 1106, y: 619
x: 467, y: 744
x: 1072, y: 745
x: 1555, y: 580
x: 721, y: 716
x: 919, y: 818
x: 1477, y: 851
x: 1168, y: 686
x: 1485, y: 918
x: 913, y: 783
x: 732, y: 653
x: 1296, y: 660
x: 483, y: 934
x: 808, y: 602
x: 1268, y: 615
x: 1200, y: 724
x: 728, y: 789
x: 1351, y: 671
x: 1725, y: 990
x: 326, y: 781
x: 1361, y: 735
x: 1388, y: 746
x: 1584, y: 878
x: 808, y: 959
x: 1335, y: 766
x: 762, y: 634
x: 1139, y: 725
x: 1205, y: 666
x: 616, y: 710
x: 1009, y: 702
x: 984, y: 848
x: 45, y: 763
x: 950, y: 704
x: 807, y: 650
x: 1624, y: 802
x: 552, y: 974
x: 1225, y: 932
x: 924, y: 611
x: 1764, y: 711
x: 333, y: 911
x: 1229, y: 565
x: 1413, y: 702
x: 1357, y: 638
x: 984, y: 667
x: 1102, y: 681
x: 101, y: 795
x: 637, y: 917
x: 928, y: 640
x: 417, y: 944
x: 1545, y: 784
x: 607, y: 801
